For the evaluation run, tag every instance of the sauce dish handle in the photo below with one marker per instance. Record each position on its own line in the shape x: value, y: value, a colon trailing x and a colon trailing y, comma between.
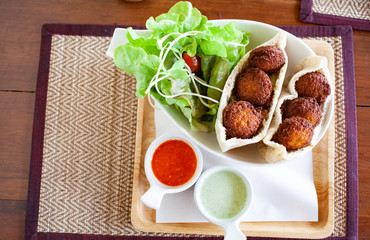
x: 232, y: 232
x: 153, y: 197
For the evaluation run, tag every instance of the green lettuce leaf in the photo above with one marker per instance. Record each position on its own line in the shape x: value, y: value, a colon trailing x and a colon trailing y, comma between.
x: 149, y: 45
x: 136, y: 61
x: 182, y: 17
x: 219, y: 49
x: 219, y: 75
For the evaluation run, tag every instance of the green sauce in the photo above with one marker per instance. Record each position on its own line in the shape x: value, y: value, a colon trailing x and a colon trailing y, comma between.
x: 223, y: 194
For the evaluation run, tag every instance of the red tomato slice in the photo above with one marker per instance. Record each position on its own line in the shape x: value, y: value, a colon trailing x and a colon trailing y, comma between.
x: 192, y: 62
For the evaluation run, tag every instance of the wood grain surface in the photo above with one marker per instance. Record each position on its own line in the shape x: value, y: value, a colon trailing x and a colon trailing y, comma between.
x: 20, y: 34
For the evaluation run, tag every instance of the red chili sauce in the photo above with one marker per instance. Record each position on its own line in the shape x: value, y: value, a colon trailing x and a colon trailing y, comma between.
x: 174, y: 163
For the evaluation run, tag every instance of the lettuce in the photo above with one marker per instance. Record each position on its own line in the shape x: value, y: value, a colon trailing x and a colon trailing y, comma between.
x: 161, y: 72
x: 182, y: 17
x: 134, y: 60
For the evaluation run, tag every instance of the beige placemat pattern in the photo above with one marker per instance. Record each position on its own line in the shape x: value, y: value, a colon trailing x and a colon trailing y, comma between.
x: 340, y: 173
x: 346, y: 8
x: 89, y: 141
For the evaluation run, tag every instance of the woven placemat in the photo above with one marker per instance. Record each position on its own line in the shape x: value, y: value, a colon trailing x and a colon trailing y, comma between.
x: 84, y: 137
x: 337, y: 12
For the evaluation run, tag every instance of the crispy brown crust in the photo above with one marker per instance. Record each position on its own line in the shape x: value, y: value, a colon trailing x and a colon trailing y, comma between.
x: 254, y: 86
x: 241, y: 119
x: 315, y: 85
x: 226, y: 142
x: 268, y: 58
x: 268, y: 103
x: 305, y: 107
x: 294, y: 133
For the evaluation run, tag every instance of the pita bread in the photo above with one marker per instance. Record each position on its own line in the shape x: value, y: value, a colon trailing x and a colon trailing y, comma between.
x: 277, y: 80
x: 275, y: 152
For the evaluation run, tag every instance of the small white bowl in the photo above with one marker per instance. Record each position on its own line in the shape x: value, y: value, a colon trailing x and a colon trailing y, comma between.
x: 153, y: 197
x: 230, y: 225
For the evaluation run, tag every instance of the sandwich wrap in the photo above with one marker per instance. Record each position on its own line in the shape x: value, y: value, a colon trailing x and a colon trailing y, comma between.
x: 275, y: 152
x: 277, y: 80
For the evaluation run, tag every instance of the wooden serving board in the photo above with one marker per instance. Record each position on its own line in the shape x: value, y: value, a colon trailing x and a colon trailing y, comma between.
x: 144, y: 218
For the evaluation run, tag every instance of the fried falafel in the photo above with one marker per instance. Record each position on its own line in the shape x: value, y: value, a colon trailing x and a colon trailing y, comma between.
x: 241, y: 119
x: 294, y: 133
x: 268, y: 58
x: 268, y: 103
x: 305, y: 107
x: 315, y: 85
x: 254, y: 86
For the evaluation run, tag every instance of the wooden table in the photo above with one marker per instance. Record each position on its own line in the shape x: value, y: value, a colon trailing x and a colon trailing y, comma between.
x: 20, y: 34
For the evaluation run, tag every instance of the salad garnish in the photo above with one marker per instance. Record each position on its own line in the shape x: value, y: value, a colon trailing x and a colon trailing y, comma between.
x: 159, y: 66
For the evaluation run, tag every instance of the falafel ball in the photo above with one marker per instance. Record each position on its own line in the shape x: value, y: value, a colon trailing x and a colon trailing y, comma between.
x: 264, y: 112
x: 305, y: 107
x: 268, y: 58
x: 268, y: 103
x: 254, y: 86
x: 294, y: 133
x: 315, y: 85
x: 241, y: 119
